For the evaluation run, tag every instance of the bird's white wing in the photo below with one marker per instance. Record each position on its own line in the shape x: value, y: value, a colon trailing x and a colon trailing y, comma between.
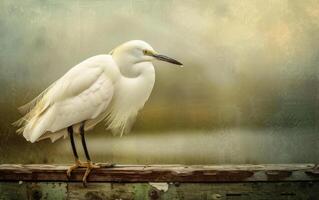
x: 83, y: 93
x: 83, y: 106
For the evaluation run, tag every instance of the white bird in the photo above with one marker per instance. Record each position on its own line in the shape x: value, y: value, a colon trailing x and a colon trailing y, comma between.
x: 111, y: 87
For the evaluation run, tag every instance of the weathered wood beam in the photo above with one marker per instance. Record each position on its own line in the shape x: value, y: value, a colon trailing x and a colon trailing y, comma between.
x: 164, y: 173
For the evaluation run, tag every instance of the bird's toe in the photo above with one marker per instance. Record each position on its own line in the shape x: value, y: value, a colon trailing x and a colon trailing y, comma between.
x: 89, y: 166
x: 76, y: 165
x: 84, y: 179
x: 84, y: 182
x: 69, y: 171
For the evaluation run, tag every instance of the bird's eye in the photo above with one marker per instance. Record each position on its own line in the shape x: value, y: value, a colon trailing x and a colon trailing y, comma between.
x: 145, y: 52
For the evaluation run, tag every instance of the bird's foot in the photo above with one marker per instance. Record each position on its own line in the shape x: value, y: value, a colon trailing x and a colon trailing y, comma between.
x: 76, y: 165
x: 89, y: 166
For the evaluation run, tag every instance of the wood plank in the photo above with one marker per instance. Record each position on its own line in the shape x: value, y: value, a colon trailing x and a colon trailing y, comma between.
x: 164, y: 173
x: 186, y: 191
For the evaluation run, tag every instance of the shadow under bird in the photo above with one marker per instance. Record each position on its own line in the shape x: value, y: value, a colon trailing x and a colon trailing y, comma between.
x: 111, y: 87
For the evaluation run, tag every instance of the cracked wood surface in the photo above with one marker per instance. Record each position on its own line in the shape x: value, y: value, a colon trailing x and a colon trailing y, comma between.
x: 164, y: 173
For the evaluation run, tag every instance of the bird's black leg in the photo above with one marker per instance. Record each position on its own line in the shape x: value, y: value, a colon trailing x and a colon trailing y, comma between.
x: 70, y: 131
x: 89, y: 163
x: 84, y: 143
x: 76, y: 157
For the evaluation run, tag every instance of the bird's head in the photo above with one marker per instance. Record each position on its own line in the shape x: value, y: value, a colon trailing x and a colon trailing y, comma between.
x: 138, y: 51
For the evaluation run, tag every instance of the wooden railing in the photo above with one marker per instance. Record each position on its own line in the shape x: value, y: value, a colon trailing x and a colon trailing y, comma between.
x: 291, y: 181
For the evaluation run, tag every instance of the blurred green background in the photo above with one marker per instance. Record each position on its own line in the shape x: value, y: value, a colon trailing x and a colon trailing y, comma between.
x: 248, y: 92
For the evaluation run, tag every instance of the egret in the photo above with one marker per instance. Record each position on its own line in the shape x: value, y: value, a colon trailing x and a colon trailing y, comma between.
x: 110, y: 87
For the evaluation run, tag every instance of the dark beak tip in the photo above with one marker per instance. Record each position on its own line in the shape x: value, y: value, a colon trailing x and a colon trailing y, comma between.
x: 168, y: 59
x: 179, y: 63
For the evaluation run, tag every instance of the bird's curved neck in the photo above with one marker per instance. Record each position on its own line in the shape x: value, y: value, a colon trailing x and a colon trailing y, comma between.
x: 131, y: 69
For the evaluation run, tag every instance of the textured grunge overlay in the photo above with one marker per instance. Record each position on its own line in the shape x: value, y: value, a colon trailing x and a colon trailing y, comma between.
x: 248, y: 92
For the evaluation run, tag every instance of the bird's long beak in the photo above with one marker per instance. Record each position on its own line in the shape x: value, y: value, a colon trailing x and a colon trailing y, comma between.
x: 167, y: 59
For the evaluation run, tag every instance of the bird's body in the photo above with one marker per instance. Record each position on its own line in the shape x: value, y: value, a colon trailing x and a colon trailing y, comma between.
x: 91, y: 91
x: 111, y: 87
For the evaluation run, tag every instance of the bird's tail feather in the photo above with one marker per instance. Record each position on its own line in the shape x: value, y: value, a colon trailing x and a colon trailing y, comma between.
x: 26, y: 108
x: 37, y: 126
x: 27, y: 124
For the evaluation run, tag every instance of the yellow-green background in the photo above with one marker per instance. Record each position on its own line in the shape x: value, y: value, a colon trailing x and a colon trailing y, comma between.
x: 248, y: 92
